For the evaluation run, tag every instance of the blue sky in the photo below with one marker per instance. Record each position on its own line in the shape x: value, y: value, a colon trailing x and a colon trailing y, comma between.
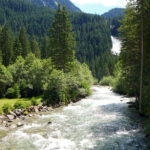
x: 98, y: 6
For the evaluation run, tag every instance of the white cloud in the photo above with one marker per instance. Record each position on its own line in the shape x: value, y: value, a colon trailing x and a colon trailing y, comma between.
x: 119, y: 3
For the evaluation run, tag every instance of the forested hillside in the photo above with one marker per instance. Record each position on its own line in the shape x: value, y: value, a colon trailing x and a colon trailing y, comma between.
x: 114, y: 18
x: 54, y: 4
x: 92, y: 32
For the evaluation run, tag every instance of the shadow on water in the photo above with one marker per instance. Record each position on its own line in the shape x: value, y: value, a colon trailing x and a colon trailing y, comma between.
x: 121, y: 133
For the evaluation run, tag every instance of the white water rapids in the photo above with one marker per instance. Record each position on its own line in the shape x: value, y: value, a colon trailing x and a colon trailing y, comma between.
x: 102, y: 121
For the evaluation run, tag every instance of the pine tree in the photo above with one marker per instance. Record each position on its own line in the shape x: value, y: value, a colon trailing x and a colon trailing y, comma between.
x: 35, y: 47
x: 6, y: 45
x: 24, y: 42
x: 44, y: 48
x: 17, y: 49
x: 62, y: 40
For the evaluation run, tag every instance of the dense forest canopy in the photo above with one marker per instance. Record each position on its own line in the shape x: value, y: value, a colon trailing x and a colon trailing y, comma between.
x: 54, y: 4
x: 92, y: 32
x: 114, y: 18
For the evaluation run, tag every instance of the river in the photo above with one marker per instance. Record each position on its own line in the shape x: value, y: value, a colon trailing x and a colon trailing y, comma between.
x: 101, y: 121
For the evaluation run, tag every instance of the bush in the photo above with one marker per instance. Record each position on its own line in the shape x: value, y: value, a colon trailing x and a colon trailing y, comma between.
x: 22, y: 105
x: 13, y: 92
x: 1, y: 111
x: 56, y: 91
x: 106, y: 81
x: 7, y: 108
x: 34, y: 102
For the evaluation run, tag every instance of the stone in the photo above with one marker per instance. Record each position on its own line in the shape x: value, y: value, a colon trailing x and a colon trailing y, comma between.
x: 10, y: 117
x: 36, y: 109
x: 7, y: 125
x: 1, y: 121
x: 22, y: 118
x: 49, y: 123
x: 4, y: 122
x: 12, y: 113
x: 30, y: 115
x: 10, y: 121
x: 19, y: 124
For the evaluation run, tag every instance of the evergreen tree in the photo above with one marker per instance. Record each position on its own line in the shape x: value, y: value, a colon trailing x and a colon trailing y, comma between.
x: 44, y: 48
x: 17, y: 49
x: 62, y: 40
x: 6, y: 45
x: 24, y: 42
x: 35, y: 47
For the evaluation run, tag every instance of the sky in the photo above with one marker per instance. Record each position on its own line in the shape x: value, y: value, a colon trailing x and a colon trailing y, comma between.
x: 99, y: 6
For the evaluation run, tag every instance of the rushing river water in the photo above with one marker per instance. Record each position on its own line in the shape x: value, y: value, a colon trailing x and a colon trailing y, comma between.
x: 102, y: 121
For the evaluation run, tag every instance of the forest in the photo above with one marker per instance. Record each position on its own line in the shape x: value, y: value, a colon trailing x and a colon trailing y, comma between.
x: 26, y: 72
x: 92, y: 32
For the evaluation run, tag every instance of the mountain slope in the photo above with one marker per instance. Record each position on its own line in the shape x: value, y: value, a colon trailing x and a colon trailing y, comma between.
x: 92, y: 32
x: 114, y: 18
x: 116, y: 12
x: 54, y: 3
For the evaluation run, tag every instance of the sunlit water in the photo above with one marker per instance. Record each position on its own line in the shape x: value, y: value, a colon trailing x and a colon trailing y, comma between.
x: 116, y: 45
x: 102, y: 121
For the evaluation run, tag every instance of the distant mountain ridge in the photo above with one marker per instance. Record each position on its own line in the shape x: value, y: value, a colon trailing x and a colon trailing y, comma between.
x: 54, y: 4
x: 116, y: 12
x: 114, y: 17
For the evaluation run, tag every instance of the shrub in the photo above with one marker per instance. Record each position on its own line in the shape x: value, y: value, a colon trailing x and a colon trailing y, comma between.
x: 56, y: 91
x: 21, y: 105
x: 26, y: 112
x: 34, y: 102
x: 13, y: 92
x: 7, y: 108
x: 106, y: 81
x: 1, y: 111
x: 5, y: 79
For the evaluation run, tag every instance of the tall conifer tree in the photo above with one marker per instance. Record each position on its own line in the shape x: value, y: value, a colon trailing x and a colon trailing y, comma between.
x: 35, y: 47
x: 24, y: 42
x: 6, y: 45
x: 17, y: 49
x: 44, y: 48
x: 62, y: 40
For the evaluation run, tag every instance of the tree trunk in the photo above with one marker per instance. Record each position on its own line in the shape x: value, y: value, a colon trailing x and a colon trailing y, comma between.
x: 141, y: 70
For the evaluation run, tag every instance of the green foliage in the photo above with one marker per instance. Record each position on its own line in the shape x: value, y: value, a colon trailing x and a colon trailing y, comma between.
x: 6, y: 46
x: 63, y: 87
x: 1, y: 111
x: 92, y: 33
x: 62, y: 40
x: 17, y: 49
x: 35, y: 47
x: 26, y: 112
x: 34, y: 102
x: 106, y: 81
x: 24, y: 42
x: 7, y: 108
x: 13, y: 92
x: 56, y: 92
x: 5, y: 79
x: 22, y: 105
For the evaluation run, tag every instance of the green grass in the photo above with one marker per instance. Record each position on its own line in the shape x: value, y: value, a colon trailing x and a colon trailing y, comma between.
x: 13, y: 101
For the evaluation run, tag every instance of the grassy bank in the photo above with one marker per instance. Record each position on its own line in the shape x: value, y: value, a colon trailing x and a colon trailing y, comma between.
x: 12, y: 102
